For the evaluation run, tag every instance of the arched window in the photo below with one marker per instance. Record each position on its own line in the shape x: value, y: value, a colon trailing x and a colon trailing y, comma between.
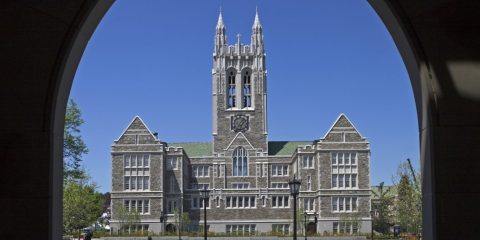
x: 247, y: 90
x: 231, y: 90
x: 240, y: 162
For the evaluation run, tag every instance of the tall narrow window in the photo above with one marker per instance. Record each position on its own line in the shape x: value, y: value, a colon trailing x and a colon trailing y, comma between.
x: 231, y: 90
x: 240, y: 162
x: 247, y: 90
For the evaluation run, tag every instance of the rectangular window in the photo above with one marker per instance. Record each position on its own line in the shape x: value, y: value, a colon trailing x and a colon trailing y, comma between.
x: 344, y: 181
x: 265, y: 170
x: 344, y: 204
x: 241, y: 229
x: 335, y: 227
x: 240, y: 185
x: 354, y: 180
x: 281, y: 228
x: 309, y: 204
x: 240, y: 202
x: 307, y: 161
x: 279, y: 169
x: 200, y: 170
x: 141, y: 206
x: 280, y: 201
x: 222, y: 170
x: 136, y: 172
x: 309, y: 183
x: 280, y: 185
x: 171, y: 206
x: 345, y: 227
x: 215, y: 170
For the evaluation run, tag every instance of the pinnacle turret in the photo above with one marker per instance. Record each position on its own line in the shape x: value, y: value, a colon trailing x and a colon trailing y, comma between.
x: 257, y: 34
x: 220, y: 24
x: 256, y: 23
x: 220, y: 36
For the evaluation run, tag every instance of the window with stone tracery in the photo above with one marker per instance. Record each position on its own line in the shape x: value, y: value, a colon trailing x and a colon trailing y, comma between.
x: 231, y: 90
x: 247, y: 90
x: 240, y: 162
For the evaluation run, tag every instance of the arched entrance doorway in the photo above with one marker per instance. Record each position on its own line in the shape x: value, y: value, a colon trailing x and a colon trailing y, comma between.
x: 311, y: 228
x: 171, y: 228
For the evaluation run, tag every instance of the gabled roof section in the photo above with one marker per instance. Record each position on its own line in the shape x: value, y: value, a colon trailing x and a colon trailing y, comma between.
x: 342, y: 124
x: 139, y: 128
x: 195, y: 149
x: 240, y: 140
x: 287, y: 148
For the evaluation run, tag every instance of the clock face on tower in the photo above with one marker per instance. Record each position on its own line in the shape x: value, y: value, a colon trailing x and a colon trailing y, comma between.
x: 240, y: 123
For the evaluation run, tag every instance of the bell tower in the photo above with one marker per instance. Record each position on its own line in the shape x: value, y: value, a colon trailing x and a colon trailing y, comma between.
x: 239, y: 90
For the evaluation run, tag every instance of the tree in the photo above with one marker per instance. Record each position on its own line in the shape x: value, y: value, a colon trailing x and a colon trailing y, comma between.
x: 73, y: 145
x: 353, y: 220
x: 82, y: 205
x: 383, y: 203
x: 126, y: 218
x: 186, y: 220
x: 408, y: 206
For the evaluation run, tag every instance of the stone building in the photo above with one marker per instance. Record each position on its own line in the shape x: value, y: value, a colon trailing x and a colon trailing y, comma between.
x: 247, y: 175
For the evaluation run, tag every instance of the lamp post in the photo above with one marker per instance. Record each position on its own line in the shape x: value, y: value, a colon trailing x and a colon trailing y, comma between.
x: 294, y: 185
x: 204, y: 194
x: 371, y: 216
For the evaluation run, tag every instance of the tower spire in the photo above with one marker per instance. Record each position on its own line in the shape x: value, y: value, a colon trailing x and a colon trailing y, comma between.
x: 220, y: 20
x: 256, y: 23
x: 220, y: 36
x: 257, y: 34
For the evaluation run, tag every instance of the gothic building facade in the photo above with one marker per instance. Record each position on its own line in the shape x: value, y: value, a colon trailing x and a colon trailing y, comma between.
x: 247, y: 175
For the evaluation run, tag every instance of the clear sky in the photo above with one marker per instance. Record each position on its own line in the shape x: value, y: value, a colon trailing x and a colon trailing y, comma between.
x: 154, y: 59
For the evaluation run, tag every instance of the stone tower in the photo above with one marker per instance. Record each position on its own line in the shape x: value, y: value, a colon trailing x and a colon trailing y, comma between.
x: 239, y: 90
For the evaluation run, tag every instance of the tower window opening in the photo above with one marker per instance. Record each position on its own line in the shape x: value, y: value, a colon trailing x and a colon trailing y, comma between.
x: 247, y: 90
x: 240, y: 162
x: 231, y: 91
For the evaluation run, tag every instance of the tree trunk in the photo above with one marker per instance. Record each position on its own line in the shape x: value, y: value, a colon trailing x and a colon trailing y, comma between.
x: 79, y: 233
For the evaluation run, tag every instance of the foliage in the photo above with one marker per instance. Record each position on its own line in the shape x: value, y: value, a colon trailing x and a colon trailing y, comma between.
x: 353, y: 218
x: 82, y: 205
x: 126, y: 217
x: 408, y: 206
x: 186, y: 221
x: 73, y: 145
x: 383, y: 203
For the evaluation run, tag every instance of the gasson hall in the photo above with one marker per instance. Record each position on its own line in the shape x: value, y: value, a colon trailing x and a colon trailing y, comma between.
x: 247, y: 175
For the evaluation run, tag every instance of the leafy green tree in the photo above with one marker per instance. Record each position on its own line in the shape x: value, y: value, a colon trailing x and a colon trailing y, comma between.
x: 126, y: 218
x: 408, y: 205
x: 73, y: 145
x: 186, y: 221
x: 82, y: 205
x: 383, y: 203
x: 353, y: 219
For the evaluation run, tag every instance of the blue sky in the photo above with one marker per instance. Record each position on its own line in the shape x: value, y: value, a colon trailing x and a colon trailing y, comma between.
x: 154, y: 59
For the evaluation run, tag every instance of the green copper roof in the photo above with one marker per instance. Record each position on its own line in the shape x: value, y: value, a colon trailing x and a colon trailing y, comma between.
x: 203, y: 149
x: 285, y: 147
x: 195, y: 149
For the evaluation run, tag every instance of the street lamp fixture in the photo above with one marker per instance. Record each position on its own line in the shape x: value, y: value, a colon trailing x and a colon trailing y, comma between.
x: 294, y: 185
x: 205, y: 194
